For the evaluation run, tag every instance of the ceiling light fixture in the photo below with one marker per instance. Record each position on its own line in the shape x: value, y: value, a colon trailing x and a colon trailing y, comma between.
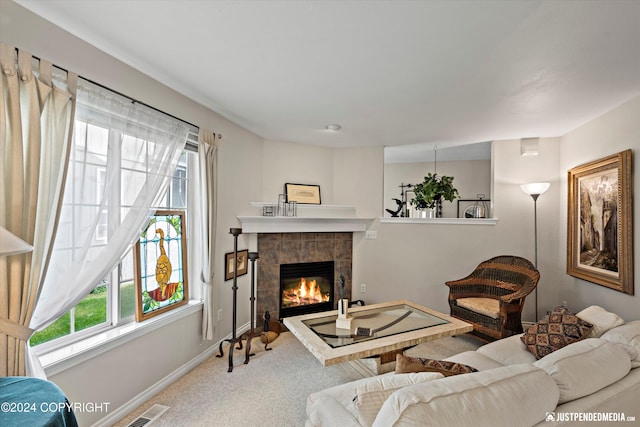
x: 333, y: 127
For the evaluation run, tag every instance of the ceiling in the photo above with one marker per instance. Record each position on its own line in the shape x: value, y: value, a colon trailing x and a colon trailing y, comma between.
x: 388, y: 72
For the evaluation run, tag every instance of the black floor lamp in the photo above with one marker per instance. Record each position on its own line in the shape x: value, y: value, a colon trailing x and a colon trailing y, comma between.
x: 535, y: 189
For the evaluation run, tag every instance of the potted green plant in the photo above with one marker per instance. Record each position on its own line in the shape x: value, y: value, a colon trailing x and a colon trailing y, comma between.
x: 432, y: 190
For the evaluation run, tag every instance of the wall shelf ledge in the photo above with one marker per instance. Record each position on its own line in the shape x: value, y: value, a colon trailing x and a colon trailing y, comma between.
x: 440, y: 221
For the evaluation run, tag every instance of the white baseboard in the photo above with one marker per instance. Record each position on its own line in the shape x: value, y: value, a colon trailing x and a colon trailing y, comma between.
x: 147, y: 394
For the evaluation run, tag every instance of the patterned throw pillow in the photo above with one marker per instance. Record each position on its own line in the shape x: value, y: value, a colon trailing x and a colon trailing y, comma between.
x: 558, y: 329
x: 406, y: 364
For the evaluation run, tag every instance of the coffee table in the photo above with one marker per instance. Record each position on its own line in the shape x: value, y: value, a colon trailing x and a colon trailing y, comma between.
x: 376, y: 330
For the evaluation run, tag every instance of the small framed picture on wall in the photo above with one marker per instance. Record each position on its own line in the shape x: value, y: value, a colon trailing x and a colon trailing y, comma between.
x: 241, y: 264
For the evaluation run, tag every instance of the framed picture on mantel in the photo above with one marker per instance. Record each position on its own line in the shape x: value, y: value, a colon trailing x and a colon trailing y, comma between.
x: 302, y: 193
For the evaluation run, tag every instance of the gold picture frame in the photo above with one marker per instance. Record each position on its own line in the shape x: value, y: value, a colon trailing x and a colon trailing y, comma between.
x: 160, y: 265
x: 242, y: 263
x: 302, y: 193
x: 600, y: 222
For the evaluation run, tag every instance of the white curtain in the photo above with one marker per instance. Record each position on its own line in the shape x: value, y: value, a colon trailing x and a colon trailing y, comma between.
x: 117, y: 144
x: 208, y: 155
x: 36, y: 119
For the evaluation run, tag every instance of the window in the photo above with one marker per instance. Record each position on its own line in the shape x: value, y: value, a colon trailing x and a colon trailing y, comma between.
x: 105, y: 176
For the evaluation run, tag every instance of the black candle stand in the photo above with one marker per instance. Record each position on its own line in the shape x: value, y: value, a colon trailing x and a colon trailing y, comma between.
x: 253, y: 256
x: 233, y: 340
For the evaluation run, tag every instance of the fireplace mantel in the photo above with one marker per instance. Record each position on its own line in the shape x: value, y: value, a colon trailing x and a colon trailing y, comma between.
x: 283, y: 224
x: 310, y: 219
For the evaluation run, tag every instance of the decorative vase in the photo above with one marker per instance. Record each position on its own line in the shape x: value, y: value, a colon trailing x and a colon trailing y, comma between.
x: 427, y: 213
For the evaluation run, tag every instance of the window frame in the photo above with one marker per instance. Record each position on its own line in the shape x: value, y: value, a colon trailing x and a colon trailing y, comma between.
x: 113, y: 318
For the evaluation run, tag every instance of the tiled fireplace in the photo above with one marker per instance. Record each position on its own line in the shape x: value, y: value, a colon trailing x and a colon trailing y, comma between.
x: 276, y: 249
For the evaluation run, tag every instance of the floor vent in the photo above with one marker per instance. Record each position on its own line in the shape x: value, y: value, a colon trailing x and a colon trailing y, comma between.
x: 149, y: 416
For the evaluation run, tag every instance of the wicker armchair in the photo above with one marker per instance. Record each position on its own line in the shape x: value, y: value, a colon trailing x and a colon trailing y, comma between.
x: 492, y: 296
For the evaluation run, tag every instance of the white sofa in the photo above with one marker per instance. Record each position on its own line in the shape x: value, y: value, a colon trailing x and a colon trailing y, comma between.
x: 592, y: 379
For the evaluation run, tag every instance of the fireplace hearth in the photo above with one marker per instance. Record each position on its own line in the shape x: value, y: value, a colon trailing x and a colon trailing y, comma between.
x: 306, y: 288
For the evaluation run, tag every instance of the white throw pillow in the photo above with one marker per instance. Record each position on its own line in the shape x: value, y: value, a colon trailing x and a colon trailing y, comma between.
x: 370, y: 395
x: 601, y: 319
x: 585, y: 367
x: 628, y: 335
x: 508, y: 351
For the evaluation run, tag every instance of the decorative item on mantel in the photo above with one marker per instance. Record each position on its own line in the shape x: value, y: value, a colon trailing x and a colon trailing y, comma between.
x: 282, y: 200
x: 302, y: 193
x: 343, y: 321
x: 269, y: 210
x: 282, y: 208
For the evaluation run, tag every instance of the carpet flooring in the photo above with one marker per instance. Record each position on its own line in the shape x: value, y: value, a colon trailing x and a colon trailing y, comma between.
x: 270, y: 391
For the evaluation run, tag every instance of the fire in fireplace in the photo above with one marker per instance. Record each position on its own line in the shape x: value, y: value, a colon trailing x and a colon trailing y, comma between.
x: 306, y: 288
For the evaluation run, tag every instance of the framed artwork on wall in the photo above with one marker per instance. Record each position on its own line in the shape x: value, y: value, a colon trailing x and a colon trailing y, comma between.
x: 302, y: 193
x: 600, y: 222
x: 241, y: 263
x: 160, y: 265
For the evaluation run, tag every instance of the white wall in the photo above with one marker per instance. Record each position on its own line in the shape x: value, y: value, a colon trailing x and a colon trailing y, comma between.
x: 515, y: 210
x: 298, y: 164
x: 358, y: 180
x: 611, y: 133
x: 412, y: 261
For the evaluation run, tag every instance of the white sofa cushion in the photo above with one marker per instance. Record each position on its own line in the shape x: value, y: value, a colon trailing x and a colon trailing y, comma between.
x: 601, y: 319
x: 518, y: 395
x: 475, y: 359
x: 343, y: 393
x: 585, y: 367
x: 371, y: 390
x: 508, y: 351
x: 628, y: 336
x: 619, y: 397
x: 327, y: 411
x: 370, y: 395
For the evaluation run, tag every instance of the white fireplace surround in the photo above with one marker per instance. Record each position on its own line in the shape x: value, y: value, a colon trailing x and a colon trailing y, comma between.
x: 310, y: 219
